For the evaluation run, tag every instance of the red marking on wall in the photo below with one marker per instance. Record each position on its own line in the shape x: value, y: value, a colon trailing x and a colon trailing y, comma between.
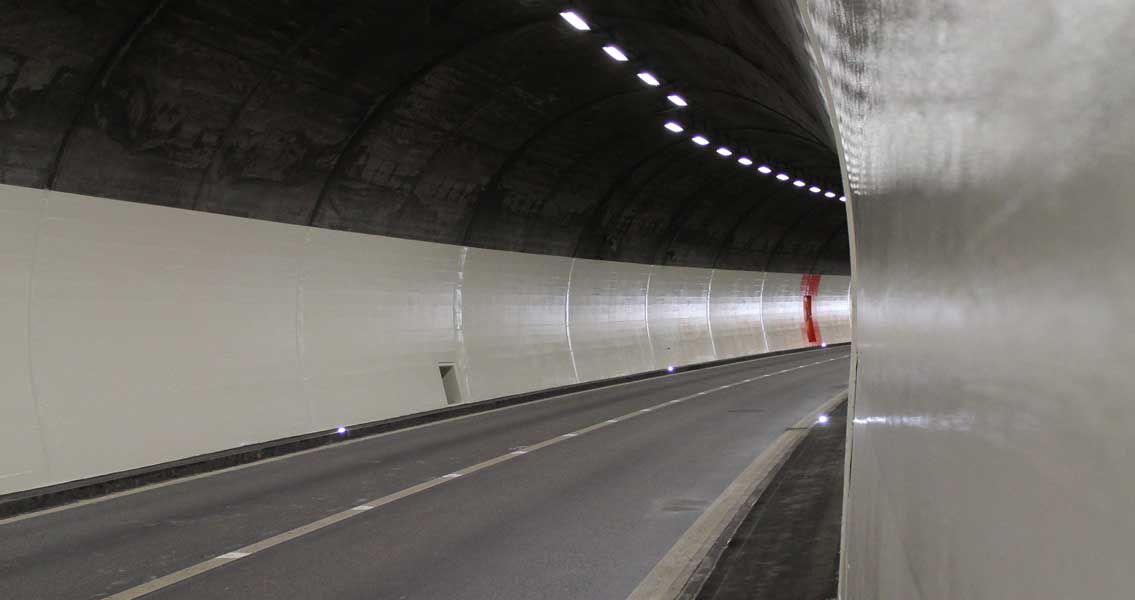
x: 810, y: 288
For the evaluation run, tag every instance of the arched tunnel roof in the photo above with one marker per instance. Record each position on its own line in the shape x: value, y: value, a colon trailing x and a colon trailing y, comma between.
x: 491, y: 123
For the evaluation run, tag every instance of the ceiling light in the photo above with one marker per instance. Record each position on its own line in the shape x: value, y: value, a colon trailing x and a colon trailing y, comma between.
x: 765, y: 170
x: 700, y: 140
x: 799, y: 183
x: 745, y: 160
x: 814, y: 190
x: 575, y: 20
x: 782, y: 177
x: 724, y: 151
x: 615, y: 53
x: 677, y: 100
x: 843, y: 198
x: 829, y: 194
x: 649, y: 79
x: 672, y: 126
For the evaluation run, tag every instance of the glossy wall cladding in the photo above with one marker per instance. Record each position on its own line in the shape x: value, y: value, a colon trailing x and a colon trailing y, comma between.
x: 988, y: 148
x: 133, y: 334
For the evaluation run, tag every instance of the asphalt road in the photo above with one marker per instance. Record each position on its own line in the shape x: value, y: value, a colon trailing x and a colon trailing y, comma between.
x: 532, y: 512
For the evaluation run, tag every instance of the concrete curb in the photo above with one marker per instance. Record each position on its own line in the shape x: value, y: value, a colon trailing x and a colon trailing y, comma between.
x: 85, y: 489
x: 686, y: 567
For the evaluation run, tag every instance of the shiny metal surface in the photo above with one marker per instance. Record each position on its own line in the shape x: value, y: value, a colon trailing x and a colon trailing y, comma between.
x: 133, y: 334
x: 989, y: 149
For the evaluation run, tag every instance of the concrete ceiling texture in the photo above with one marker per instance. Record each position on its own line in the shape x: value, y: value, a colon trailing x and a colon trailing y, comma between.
x: 489, y: 123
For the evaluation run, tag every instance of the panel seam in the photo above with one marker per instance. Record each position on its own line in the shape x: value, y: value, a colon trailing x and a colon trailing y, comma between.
x: 567, y: 321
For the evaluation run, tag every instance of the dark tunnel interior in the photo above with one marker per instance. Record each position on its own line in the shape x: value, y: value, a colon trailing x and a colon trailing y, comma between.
x: 489, y: 123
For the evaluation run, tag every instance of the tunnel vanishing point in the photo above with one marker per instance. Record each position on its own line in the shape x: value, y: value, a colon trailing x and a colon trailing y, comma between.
x: 567, y: 299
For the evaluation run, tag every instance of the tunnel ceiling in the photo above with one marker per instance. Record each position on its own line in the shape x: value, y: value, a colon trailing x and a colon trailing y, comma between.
x: 490, y: 123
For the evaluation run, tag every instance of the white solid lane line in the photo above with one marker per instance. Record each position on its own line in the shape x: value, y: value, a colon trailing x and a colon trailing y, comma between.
x: 361, y: 440
x: 208, y: 565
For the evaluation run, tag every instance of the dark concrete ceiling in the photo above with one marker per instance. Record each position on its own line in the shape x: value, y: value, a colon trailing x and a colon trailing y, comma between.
x: 490, y: 123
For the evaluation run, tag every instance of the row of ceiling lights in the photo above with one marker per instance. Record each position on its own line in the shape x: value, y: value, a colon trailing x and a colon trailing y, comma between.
x: 679, y: 101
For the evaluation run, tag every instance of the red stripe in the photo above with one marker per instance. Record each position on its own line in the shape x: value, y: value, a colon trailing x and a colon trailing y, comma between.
x: 810, y: 289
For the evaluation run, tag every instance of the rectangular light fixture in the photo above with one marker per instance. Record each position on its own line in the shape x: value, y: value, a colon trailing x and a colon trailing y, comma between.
x: 799, y: 183
x: 700, y: 140
x: 575, y: 20
x: 615, y: 53
x: 677, y: 100
x: 782, y: 177
x: 672, y: 126
x: 764, y: 169
x: 649, y: 79
x: 724, y: 151
x: 745, y: 160
x: 814, y: 190
x: 829, y: 194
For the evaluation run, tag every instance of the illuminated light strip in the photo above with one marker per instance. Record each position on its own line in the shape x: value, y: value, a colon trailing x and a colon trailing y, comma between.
x: 575, y: 20
x: 616, y: 53
x: 649, y: 79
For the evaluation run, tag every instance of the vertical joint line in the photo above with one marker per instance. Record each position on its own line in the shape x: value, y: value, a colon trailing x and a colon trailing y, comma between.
x: 708, y: 320
x: 567, y: 321
x: 458, y: 325
x: 764, y: 330
x: 646, y: 313
x: 299, y: 327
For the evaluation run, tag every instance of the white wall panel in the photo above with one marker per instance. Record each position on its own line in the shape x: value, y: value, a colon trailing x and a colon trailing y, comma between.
x: 678, y: 316
x: 158, y: 333
x: 735, y: 313
x: 988, y: 147
x: 783, y: 311
x: 608, y: 319
x: 831, y: 309
x: 154, y: 334
x: 23, y: 459
x: 514, y: 317
x: 376, y: 321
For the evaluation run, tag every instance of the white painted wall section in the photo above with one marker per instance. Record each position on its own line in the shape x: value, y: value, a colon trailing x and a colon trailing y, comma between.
x: 735, y: 313
x: 608, y: 319
x: 133, y: 334
x: 679, y: 316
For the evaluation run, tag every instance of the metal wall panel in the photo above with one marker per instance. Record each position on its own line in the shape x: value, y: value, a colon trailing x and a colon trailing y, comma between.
x: 831, y: 308
x: 783, y: 311
x: 735, y: 312
x: 24, y: 456
x: 154, y: 333
x: 607, y: 314
x: 514, y: 322
x: 988, y: 147
x: 678, y: 316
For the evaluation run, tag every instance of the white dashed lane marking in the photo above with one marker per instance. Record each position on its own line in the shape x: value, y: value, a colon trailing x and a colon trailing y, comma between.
x: 206, y: 566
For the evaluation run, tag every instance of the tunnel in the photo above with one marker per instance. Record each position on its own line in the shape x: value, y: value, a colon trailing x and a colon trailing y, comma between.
x: 523, y: 298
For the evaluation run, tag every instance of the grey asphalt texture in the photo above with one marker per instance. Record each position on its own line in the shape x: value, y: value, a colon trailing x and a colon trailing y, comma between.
x: 583, y: 519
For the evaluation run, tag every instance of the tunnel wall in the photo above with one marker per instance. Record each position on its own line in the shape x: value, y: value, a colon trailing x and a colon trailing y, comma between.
x: 132, y: 334
x: 988, y: 148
